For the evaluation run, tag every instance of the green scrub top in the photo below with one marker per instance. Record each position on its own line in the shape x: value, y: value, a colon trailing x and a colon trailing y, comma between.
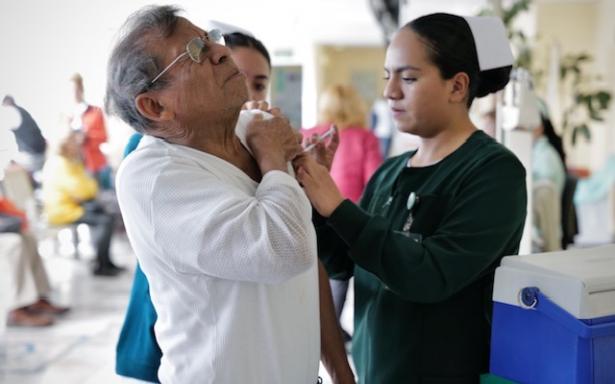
x: 423, y: 246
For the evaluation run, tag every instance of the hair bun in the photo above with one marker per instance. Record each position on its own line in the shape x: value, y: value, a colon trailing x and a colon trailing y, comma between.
x: 493, y: 80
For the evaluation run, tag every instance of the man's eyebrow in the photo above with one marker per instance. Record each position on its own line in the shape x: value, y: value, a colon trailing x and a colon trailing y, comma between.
x: 261, y: 77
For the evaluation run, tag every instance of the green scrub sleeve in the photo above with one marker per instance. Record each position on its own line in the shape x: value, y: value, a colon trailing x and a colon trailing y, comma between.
x: 332, y: 250
x: 484, y: 219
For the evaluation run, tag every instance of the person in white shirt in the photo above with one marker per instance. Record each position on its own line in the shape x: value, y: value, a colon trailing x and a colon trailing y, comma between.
x: 221, y: 230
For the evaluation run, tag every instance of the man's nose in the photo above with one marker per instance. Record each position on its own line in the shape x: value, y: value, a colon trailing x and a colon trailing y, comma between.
x: 218, y: 53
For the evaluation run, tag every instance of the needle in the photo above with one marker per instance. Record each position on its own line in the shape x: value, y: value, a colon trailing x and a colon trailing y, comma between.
x: 320, y: 138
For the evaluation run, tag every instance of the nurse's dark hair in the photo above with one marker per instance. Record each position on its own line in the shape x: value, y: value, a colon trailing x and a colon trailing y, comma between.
x: 450, y: 46
x: 554, y: 139
x: 238, y: 39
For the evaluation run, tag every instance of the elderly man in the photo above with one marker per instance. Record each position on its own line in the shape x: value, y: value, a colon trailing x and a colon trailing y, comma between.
x: 221, y: 230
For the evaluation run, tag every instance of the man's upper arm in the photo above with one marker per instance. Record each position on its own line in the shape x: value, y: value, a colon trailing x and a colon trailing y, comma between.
x: 205, y: 224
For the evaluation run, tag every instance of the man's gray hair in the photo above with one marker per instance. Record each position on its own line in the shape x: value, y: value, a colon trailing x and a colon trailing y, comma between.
x: 132, y: 66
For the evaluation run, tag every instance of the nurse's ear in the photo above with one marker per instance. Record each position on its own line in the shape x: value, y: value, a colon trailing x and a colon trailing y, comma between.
x: 459, y: 88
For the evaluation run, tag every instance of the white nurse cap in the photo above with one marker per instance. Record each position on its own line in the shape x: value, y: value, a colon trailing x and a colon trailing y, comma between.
x: 491, y: 41
x: 226, y: 28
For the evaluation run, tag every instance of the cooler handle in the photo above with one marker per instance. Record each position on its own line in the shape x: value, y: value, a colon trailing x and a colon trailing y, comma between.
x: 533, y: 298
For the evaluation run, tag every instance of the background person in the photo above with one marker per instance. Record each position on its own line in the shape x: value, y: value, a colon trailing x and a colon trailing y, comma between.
x: 28, y: 285
x: 90, y: 120
x: 69, y: 197
x: 30, y: 141
x: 548, y: 181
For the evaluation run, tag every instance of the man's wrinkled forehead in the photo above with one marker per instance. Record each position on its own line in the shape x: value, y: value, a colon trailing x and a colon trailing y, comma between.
x: 183, y: 28
x: 170, y: 43
x: 186, y: 27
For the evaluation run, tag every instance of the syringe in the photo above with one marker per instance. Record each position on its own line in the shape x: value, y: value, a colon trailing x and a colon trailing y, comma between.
x: 320, y: 138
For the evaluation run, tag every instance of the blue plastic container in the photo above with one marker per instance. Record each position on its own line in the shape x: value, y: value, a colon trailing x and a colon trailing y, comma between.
x: 541, y: 343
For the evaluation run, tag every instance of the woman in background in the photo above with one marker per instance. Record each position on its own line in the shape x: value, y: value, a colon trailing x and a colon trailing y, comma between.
x: 358, y: 154
x: 69, y: 197
x: 548, y: 182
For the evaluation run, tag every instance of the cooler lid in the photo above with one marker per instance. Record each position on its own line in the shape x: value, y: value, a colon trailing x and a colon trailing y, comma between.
x: 582, y: 281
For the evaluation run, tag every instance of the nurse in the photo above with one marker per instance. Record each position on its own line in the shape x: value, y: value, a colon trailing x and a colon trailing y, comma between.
x: 433, y: 223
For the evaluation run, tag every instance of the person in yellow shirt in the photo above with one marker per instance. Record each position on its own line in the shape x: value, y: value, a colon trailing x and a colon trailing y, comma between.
x: 69, y: 197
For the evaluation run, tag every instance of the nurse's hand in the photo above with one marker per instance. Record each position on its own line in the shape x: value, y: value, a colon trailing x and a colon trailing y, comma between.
x: 318, y: 184
x: 324, y: 150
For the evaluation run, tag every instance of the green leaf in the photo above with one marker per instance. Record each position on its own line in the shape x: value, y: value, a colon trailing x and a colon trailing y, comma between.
x: 596, y: 117
x: 587, y: 101
x: 585, y: 132
x: 509, y: 14
x: 581, y: 129
x: 576, y: 70
x: 487, y: 11
x: 565, y: 121
x: 563, y: 71
x: 604, y: 99
x: 583, y: 57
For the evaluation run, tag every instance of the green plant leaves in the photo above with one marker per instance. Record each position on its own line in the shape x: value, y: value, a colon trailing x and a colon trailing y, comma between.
x: 585, y: 102
x: 582, y: 129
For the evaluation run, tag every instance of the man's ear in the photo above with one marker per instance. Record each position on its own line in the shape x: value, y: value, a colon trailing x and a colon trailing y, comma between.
x: 150, y: 107
x: 460, y: 88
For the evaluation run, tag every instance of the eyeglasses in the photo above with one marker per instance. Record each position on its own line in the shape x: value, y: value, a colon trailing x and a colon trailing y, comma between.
x: 195, y: 49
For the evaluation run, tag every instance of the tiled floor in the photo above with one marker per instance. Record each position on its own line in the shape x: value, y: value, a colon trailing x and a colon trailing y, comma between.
x: 80, y: 347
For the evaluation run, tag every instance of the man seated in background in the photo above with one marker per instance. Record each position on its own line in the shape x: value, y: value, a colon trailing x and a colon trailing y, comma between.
x: 26, y: 282
x: 30, y: 141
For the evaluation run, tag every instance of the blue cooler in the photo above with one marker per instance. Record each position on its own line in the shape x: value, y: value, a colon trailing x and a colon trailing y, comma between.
x: 554, y: 317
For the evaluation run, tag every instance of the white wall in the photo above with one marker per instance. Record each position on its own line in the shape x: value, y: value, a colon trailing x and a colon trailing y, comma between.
x: 44, y: 41
x: 605, y: 57
x: 416, y: 8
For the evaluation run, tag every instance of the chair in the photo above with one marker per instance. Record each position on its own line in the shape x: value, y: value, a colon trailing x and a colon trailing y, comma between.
x: 17, y: 187
x: 547, y: 217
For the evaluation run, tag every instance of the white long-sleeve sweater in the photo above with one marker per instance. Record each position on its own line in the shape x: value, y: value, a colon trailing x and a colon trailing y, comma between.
x: 231, y: 266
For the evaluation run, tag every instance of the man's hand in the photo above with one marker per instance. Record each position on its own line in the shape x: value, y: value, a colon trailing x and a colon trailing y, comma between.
x: 273, y: 141
x: 262, y: 106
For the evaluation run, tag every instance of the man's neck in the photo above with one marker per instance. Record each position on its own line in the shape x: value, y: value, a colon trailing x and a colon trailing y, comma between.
x: 233, y: 151
x: 222, y: 142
